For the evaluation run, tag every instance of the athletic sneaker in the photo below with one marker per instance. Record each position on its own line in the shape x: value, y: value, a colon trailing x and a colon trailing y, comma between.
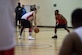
x: 19, y: 37
x: 31, y: 38
x: 55, y: 36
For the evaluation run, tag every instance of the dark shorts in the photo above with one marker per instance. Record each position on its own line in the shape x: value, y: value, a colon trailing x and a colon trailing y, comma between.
x: 25, y: 23
x: 61, y: 26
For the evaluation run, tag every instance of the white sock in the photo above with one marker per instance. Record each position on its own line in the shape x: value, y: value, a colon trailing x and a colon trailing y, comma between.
x: 30, y: 33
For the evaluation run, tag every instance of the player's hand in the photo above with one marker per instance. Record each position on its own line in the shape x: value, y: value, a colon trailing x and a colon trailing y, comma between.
x: 56, y: 23
x: 35, y: 27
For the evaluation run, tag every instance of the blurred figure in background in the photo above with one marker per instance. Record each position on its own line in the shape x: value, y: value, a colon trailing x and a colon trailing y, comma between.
x: 23, y: 10
x: 7, y: 29
x: 18, y: 12
x: 72, y: 44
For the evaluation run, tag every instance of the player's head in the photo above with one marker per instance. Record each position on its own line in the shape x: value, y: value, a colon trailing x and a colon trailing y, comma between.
x: 23, y: 6
x: 34, y: 6
x: 77, y: 18
x: 56, y: 12
x: 33, y: 9
x: 19, y: 4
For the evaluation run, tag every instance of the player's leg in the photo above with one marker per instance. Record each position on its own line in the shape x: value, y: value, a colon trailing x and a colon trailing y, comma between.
x: 55, y: 31
x: 66, y: 28
x: 30, y: 32
x: 19, y: 23
x: 22, y: 28
x: 16, y: 19
x: 20, y: 34
x: 16, y: 22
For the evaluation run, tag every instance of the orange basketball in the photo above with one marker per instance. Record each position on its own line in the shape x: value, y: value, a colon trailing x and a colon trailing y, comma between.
x: 36, y: 30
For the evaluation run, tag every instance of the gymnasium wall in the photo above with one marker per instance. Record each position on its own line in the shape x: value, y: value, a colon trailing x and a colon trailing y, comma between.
x: 45, y: 15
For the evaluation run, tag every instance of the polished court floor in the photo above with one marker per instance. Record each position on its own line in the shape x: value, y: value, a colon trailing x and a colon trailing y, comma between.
x: 43, y: 45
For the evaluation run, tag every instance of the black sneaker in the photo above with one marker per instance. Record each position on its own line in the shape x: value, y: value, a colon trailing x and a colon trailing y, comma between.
x: 55, y: 36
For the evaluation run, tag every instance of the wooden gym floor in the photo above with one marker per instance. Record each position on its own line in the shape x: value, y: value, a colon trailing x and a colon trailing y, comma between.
x: 43, y: 45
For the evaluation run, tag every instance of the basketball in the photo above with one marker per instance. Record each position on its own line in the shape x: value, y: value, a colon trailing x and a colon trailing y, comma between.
x: 36, y: 30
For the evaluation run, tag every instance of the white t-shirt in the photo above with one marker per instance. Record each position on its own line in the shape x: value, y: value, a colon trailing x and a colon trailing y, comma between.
x: 79, y: 32
x: 7, y: 30
x: 25, y: 16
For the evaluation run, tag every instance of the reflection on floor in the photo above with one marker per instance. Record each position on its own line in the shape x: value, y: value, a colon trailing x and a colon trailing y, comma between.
x: 43, y: 45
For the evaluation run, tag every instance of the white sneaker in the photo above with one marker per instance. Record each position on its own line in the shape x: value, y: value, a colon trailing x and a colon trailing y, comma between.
x: 19, y: 37
x: 31, y: 38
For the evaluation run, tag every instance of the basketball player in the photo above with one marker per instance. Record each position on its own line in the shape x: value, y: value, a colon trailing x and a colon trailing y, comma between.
x: 7, y: 30
x: 72, y: 44
x: 61, y: 22
x: 26, y: 22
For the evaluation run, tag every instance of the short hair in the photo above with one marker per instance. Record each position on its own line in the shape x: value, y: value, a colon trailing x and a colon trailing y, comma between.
x: 77, y: 17
x: 57, y: 11
x: 19, y: 3
x: 33, y: 9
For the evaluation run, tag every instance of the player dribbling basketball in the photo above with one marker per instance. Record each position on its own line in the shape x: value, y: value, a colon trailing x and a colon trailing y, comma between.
x: 26, y: 22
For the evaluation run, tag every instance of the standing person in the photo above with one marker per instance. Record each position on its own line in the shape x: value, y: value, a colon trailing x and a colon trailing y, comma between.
x: 18, y: 12
x: 26, y: 22
x: 61, y: 22
x: 7, y: 30
x: 23, y: 10
x: 72, y: 44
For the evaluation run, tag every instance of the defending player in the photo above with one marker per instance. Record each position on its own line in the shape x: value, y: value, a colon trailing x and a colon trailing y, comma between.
x: 61, y: 22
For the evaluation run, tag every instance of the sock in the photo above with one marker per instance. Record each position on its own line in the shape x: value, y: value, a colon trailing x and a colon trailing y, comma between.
x: 30, y: 33
x: 55, y: 35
